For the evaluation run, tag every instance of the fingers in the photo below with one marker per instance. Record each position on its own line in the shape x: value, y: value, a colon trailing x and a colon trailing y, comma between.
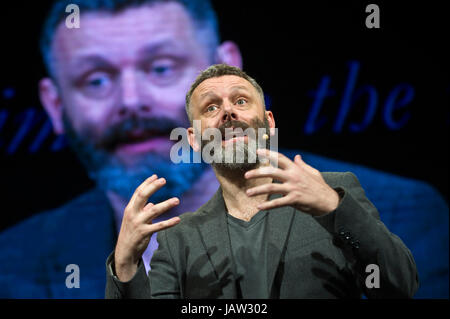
x: 151, y: 211
x: 267, y: 171
x: 156, y: 227
x: 281, y: 161
x: 144, y: 191
x: 271, y: 188
x: 299, y: 161
x: 274, y: 203
x: 277, y: 159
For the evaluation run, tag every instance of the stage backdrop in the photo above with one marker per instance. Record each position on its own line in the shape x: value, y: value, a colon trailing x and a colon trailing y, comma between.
x: 371, y: 98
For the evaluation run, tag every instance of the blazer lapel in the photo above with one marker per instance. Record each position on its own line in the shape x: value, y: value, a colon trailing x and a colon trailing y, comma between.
x: 216, y: 239
x: 214, y: 232
x: 278, y: 228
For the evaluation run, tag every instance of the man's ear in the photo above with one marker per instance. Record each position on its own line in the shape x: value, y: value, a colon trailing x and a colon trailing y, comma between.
x: 271, y: 120
x: 229, y: 53
x: 193, y: 141
x: 51, y: 101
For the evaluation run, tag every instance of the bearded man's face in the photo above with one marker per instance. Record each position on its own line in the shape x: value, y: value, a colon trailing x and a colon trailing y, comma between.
x: 121, y: 87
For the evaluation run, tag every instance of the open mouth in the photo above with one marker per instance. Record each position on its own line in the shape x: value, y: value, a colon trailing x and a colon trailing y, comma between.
x: 234, y: 136
x: 138, y: 136
x: 139, y: 141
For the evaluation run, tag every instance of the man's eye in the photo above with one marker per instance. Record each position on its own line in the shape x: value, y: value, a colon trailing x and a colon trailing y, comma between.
x: 98, y: 81
x: 98, y: 85
x: 241, y: 101
x: 211, y: 108
x: 162, y: 70
x: 163, y: 67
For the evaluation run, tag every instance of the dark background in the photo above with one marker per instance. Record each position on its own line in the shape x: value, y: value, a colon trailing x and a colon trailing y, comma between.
x: 288, y: 47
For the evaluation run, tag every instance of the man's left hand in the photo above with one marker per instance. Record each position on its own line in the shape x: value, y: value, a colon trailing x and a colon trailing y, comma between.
x: 302, y: 186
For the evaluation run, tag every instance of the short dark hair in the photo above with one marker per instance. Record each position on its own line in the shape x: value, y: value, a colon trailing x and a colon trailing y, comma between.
x: 215, y: 71
x: 201, y: 12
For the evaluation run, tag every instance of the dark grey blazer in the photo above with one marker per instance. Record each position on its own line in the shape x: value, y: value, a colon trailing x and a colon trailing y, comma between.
x: 309, y: 257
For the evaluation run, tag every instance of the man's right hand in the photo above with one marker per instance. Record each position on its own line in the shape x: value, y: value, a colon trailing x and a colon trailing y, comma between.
x: 137, y: 226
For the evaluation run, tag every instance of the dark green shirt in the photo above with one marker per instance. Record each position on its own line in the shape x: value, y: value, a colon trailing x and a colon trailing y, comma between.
x: 249, y: 248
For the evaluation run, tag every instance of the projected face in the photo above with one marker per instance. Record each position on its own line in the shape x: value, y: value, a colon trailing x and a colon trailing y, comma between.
x: 135, y: 66
x: 121, y: 82
x: 231, y: 102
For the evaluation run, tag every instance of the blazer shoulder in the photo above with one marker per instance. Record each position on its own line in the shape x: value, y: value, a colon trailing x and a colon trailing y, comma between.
x: 48, y: 228
x: 188, y: 220
x: 335, y: 179
x: 189, y: 217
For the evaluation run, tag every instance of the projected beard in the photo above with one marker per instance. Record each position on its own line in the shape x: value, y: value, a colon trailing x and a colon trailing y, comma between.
x: 222, y: 162
x: 111, y: 174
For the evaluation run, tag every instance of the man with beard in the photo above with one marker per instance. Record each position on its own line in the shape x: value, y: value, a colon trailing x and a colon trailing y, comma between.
x: 270, y: 231
x: 116, y: 88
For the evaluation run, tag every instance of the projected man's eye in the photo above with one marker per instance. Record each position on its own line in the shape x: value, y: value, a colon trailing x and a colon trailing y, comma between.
x: 97, y: 85
x: 164, y: 71
x: 98, y: 82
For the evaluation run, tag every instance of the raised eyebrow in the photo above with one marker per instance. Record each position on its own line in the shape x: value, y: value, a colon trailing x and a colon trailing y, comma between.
x: 93, y: 60
x: 208, y: 96
x: 153, y: 48
x: 233, y: 90
x: 239, y: 90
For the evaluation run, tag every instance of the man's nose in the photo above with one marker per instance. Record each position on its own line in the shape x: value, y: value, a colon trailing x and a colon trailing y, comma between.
x: 229, y: 113
x: 131, y: 101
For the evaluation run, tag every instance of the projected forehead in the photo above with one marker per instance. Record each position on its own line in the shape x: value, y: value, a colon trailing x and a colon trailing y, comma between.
x: 129, y: 37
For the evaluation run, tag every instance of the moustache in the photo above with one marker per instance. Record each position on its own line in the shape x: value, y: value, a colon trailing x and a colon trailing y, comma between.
x: 254, y: 123
x: 234, y: 124
x: 135, y: 130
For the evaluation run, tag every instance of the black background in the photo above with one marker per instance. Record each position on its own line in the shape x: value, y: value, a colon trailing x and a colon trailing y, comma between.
x: 287, y: 47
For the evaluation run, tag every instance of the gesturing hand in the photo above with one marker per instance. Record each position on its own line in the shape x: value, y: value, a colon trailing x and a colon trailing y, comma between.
x: 137, y: 226
x: 303, y: 186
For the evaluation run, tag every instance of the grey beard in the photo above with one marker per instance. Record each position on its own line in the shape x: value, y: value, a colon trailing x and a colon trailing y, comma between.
x: 112, y: 175
x: 124, y: 180
x: 225, y: 166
